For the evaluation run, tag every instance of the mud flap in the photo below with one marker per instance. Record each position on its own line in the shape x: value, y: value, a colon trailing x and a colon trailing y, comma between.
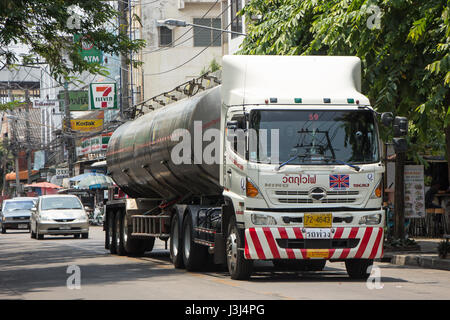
x: 219, y: 249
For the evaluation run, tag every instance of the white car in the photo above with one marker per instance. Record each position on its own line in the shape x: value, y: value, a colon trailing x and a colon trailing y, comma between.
x: 59, y: 215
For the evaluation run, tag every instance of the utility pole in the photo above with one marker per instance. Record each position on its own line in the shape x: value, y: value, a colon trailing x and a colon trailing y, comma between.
x: 67, y: 129
x: 123, y: 26
x: 27, y: 134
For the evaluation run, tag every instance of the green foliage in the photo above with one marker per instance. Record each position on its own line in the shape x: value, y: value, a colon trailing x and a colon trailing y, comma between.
x: 43, y: 26
x: 213, y: 66
x: 405, y: 61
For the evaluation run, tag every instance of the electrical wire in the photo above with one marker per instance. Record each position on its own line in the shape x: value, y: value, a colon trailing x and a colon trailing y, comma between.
x: 171, y: 45
x: 199, y: 53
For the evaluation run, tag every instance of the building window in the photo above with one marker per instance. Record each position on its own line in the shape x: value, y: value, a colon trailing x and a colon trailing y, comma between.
x: 206, y: 37
x: 165, y: 37
x: 236, y: 22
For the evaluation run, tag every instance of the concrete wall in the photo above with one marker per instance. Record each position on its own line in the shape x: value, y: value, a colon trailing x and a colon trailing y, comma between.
x: 161, y: 59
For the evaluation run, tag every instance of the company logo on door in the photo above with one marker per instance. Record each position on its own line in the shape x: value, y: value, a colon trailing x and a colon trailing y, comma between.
x: 102, y: 96
x: 300, y: 179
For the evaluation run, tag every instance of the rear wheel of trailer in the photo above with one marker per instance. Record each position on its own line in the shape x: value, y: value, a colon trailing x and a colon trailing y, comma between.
x: 175, y: 243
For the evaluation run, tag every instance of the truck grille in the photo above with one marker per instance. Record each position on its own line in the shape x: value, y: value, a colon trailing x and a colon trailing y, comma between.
x: 304, y: 197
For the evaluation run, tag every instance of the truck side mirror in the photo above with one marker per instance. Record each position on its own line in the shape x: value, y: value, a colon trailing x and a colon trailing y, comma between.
x: 400, y: 145
x: 232, y: 125
x: 387, y: 118
x: 400, y: 126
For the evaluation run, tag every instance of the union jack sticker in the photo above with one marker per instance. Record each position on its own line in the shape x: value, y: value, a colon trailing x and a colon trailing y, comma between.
x: 339, y: 181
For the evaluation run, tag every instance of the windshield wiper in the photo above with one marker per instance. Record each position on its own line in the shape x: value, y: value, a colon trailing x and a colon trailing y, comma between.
x: 357, y: 168
x: 286, y: 162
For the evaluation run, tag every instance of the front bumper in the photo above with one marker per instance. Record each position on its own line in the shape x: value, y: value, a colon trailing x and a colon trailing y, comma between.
x: 268, y: 243
x: 15, y: 224
x: 61, y: 228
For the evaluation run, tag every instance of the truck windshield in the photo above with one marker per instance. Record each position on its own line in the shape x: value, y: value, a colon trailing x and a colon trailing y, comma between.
x: 313, y: 137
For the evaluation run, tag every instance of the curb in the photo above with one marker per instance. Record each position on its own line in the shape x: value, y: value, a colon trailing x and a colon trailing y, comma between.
x: 430, y: 262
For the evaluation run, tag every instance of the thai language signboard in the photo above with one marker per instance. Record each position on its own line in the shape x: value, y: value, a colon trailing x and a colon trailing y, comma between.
x: 414, y: 191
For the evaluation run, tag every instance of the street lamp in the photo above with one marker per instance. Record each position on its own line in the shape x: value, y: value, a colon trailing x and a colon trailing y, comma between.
x: 182, y: 23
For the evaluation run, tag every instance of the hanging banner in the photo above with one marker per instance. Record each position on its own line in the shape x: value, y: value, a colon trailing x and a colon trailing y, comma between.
x: 102, y: 96
x: 414, y: 191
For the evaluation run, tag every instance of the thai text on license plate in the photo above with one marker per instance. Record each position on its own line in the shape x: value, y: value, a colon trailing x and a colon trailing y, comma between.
x: 317, y: 233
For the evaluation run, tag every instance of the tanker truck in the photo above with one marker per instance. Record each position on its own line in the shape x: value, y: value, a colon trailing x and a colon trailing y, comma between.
x: 281, y: 162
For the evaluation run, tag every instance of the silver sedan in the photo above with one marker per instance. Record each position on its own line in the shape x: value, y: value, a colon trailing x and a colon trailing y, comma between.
x: 59, y: 215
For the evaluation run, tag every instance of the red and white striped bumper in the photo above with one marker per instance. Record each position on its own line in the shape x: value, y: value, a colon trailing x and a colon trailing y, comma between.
x: 261, y: 244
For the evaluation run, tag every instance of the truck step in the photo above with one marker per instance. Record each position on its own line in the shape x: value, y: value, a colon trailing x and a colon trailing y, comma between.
x: 150, y: 226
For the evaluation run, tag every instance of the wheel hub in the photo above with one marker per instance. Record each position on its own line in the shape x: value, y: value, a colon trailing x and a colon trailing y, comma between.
x: 232, y: 251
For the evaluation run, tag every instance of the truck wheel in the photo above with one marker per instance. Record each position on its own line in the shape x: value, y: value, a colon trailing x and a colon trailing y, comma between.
x: 3, y: 230
x: 194, y: 255
x: 175, y: 243
x: 118, y: 227
x: 357, y: 268
x: 112, y: 233
x: 133, y: 247
x: 107, y: 240
x: 238, y: 267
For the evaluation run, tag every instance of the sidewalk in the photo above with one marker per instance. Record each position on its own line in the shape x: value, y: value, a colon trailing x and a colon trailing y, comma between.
x: 427, y: 257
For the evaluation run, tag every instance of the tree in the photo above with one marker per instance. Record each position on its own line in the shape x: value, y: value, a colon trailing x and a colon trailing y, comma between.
x: 405, y: 57
x: 48, y: 28
x: 403, y: 44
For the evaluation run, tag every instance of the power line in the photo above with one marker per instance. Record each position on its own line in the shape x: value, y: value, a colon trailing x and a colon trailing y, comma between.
x: 171, y: 46
x: 181, y: 65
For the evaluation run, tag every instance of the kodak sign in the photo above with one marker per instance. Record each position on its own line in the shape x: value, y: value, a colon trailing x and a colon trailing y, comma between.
x: 102, y: 96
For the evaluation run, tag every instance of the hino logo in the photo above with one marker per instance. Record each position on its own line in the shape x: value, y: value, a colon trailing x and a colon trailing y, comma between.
x: 317, y: 194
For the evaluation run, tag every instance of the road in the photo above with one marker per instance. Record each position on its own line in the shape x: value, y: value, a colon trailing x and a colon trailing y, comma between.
x: 32, y: 269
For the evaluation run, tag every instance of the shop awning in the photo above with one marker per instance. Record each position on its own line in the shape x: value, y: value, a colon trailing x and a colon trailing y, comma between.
x: 23, y: 175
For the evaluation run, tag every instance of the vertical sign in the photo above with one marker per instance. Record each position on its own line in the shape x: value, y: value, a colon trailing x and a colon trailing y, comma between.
x: 414, y: 192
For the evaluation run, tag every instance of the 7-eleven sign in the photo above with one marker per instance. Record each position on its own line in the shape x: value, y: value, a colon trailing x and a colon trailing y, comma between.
x: 102, y: 96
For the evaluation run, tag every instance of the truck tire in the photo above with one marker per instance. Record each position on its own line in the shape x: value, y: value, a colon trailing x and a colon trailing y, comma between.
x: 106, y: 228
x: 194, y: 255
x: 3, y: 230
x: 238, y: 267
x: 175, y: 243
x: 133, y: 246
x: 118, y: 227
x: 112, y: 233
x: 358, y: 268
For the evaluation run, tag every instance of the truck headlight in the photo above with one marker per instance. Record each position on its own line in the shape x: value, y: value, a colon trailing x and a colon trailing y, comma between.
x: 370, y: 219
x: 262, y: 219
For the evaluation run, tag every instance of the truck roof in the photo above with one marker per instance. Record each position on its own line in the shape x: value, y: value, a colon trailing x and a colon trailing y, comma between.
x: 292, y: 80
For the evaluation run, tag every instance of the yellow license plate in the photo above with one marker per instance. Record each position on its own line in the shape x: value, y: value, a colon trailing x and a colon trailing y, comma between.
x: 317, y: 220
x: 317, y: 253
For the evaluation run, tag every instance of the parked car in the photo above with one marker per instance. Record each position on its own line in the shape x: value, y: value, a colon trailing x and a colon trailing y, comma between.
x: 16, y: 212
x: 59, y: 215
